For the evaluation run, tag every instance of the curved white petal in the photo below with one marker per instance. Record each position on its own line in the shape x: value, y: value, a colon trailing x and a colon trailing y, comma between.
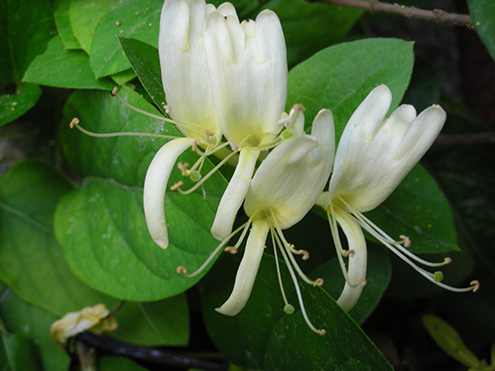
x: 291, y: 178
x: 155, y: 186
x: 234, y: 194
x: 375, y: 154
x: 248, y: 269
x: 183, y: 65
x: 248, y: 70
x: 356, y: 270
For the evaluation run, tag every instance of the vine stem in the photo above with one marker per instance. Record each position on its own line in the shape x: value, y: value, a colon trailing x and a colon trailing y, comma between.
x: 375, y: 6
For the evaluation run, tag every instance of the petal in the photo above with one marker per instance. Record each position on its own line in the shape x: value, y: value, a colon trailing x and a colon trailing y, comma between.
x: 248, y: 269
x: 234, y: 194
x: 356, y: 270
x: 372, y: 159
x: 293, y: 175
x: 183, y: 65
x: 155, y: 186
x: 248, y: 70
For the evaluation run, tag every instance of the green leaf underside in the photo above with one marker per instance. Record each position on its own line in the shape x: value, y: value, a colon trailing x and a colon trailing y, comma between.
x: 61, y: 13
x: 419, y: 210
x: 262, y: 336
x: 378, y: 274
x: 32, y: 262
x: 15, y: 105
x: 64, y: 69
x: 483, y: 15
x: 340, y: 77
x: 145, y: 62
x: 25, y: 29
x: 137, y: 20
x: 101, y: 225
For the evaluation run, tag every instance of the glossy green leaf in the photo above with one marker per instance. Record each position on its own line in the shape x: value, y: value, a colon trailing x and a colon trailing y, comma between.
x: 33, y: 322
x: 31, y: 261
x: 309, y: 27
x: 64, y: 69
x: 483, y: 15
x: 137, y: 20
x: 449, y: 340
x: 145, y: 62
x: 122, y: 77
x: 378, y: 274
x: 264, y: 337
x: 25, y: 28
x: 13, y: 106
x: 61, y: 13
x: 101, y: 225
x: 340, y: 77
x: 84, y: 17
x: 17, y: 353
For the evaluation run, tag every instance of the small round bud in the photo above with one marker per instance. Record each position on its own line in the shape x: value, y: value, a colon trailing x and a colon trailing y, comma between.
x: 438, y: 276
x: 288, y: 308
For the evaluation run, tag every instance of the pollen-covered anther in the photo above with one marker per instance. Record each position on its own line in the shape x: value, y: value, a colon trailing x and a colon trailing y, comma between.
x: 73, y: 122
x: 233, y: 146
x: 318, y: 282
x: 299, y: 107
x: 447, y: 260
x: 348, y: 252
x: 181, y: 270
x: 321, y: 332
x: 209, y: 133
x: 167, y: 108
x: 305, y: 254
x: 231, y: 249
x: 361, y: 282
x: 195, y: 144
x: 183, y: 168
x: 284, y: 121
x: 405, y: 240
x: 114, y: 91
x: 177, y: 185
x: 475, y: 284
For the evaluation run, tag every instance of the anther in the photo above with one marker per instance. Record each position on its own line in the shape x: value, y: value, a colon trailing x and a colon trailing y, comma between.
x: 195, y: 144
x: 233, y: 146
x: 167, y: 108
x: 181, y: 270
x: 209, y: 133
x: 177, y: 185
x: 361, y: 282
x: 114, y: 91
x: 475, y: 284
x: 231, y: 249
x: 447, y: 260
x: 305, y: 254
x: 318, y: 282
x: 321, y: 332
x: 183, y: 168
x: 348, y: 252
x: 299, y: 107
x: 74, y: 122
x: 405, y: 240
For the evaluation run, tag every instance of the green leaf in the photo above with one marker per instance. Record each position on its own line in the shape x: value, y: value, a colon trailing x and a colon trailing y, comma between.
x: 309, y: 27
x: 262, y: 336
x: 25, y: 28
x: 137, y: 20
x: 122, y: 77
x: 340, y: 77
x: 13, y: 106
x: 449, y: 340
x: 64, y: 69
x: 28, y: 320
x: 379, y: 272
x: 145, y: 62
x: 101, y: 225
x: 17, y: 353
x: 483, y: 15
x: 61, y: 14
x: 31, y: 261
x: 419, y: 210
x: 84, y: 16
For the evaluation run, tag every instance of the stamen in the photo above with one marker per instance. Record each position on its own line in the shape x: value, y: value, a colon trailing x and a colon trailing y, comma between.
x: 177, y: 185
x: 475, y: 284
x: 194, y: 187
x: 361, y: 281
x: 114, y: 91
x: 318, y: 282
x: 166, y: 108
x: 304, y: 253
x: 287, y: 305
x: 348, y: 252
x: 231, y: 249
x: 405, y: 240
x: 75, y: 124
x: 183, y: 168
x: 245, y: 226
x: 181, y: 270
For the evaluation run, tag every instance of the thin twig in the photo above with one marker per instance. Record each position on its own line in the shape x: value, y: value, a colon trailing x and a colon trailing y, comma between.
x: 436, y: 15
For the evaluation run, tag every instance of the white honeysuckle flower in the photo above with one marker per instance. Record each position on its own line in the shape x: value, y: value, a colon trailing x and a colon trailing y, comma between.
x: 283, y: 190
x: 221, y: 78
x: 373, y: 156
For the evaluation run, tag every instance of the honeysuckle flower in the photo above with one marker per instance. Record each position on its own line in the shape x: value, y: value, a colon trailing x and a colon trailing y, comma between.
x: 221, y: 78
x: 373, y: 156
x: 95, y: 319
x: 283, y: 190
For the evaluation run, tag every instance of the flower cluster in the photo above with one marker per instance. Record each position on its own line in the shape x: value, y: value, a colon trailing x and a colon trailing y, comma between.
x: 226, y: 85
